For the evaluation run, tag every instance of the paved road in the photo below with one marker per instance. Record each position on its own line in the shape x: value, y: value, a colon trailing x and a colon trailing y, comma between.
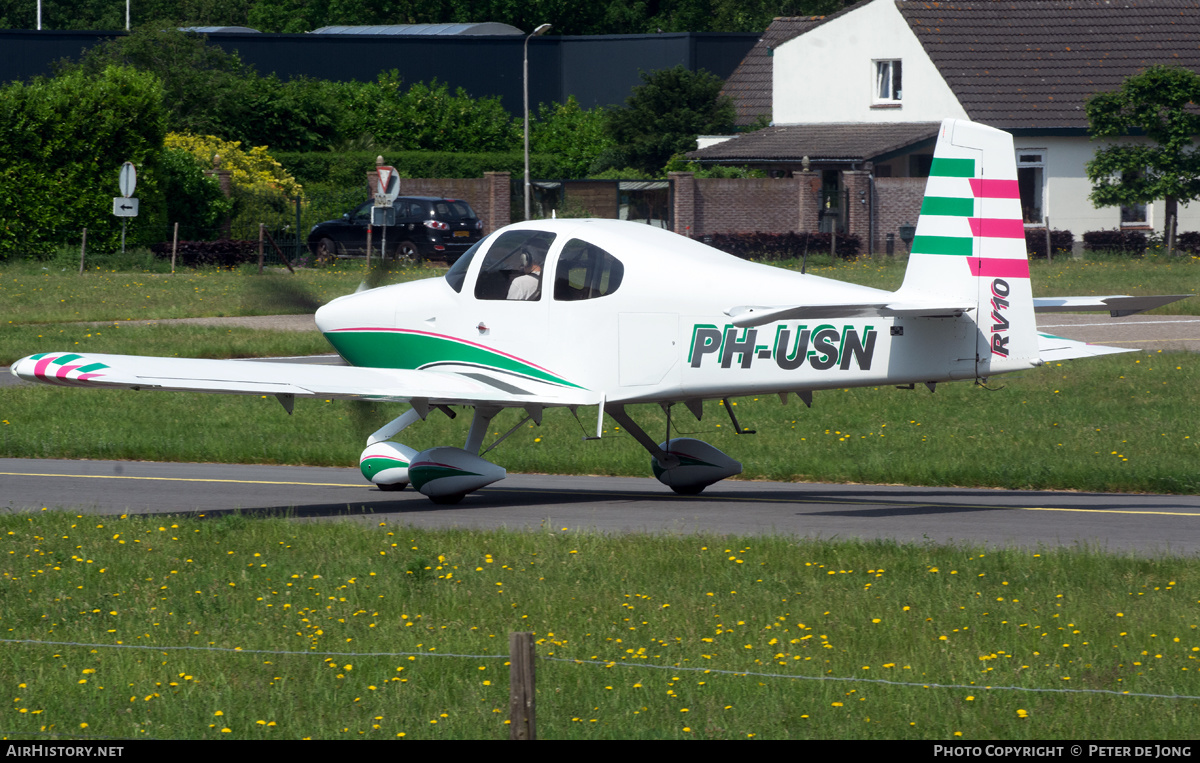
x: 1142, y: 524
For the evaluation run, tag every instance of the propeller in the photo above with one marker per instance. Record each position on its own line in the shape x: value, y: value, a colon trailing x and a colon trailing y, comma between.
x: 272, y: 293
x: 288, y: 294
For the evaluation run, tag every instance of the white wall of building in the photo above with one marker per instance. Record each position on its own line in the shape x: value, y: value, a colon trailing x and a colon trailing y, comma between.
x: 1067, y: 189
x: 828, y: 73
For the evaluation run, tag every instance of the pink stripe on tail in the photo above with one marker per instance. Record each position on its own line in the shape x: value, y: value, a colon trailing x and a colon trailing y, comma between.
x: 990, y: 227
x: 984, y: 267
x: 994, y: 189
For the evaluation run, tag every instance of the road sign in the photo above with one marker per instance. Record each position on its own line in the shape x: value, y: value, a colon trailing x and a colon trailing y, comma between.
x: 123, y: 206
x: 383, y: 215
x: 389, y: 185
x: 128, y: 179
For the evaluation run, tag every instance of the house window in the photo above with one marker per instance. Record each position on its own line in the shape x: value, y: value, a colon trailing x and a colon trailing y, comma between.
x: 1031, y: 183
x: 919, y: 165
x: 1133, y: 215
x: 888, y: 88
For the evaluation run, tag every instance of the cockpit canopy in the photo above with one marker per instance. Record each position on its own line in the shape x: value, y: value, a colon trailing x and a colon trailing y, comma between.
x: 515, y: 267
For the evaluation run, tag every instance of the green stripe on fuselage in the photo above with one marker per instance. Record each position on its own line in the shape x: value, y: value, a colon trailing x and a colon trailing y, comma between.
x: 402, y: 349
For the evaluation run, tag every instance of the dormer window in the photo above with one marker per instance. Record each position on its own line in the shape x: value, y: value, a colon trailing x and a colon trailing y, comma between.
x: 888, y: 90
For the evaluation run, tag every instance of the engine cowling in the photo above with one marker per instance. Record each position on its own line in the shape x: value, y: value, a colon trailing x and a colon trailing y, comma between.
x: 386, y: 463
x: 446, y: 472
x: 700, y: 465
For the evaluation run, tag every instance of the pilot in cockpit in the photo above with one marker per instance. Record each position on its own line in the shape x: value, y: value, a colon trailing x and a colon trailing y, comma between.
x: 528, y: 285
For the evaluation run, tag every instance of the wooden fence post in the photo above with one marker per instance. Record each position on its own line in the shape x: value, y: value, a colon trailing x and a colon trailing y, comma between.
x: 521, y: 687
x: 82, y: 251
x: 261, y: 227
x: 174, y: 246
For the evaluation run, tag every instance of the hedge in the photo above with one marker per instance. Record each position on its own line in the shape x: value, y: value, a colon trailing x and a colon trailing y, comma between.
x: 1062, y: 242
x: 1131, y: 242
x: 224, y: 253
x: 782, y: 246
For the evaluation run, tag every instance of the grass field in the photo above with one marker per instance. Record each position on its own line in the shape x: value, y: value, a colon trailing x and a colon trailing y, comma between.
x: 640, y: 637
x: 55, y: 293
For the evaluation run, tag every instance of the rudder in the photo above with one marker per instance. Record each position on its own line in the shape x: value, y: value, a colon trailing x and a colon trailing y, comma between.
x: 970, y: 243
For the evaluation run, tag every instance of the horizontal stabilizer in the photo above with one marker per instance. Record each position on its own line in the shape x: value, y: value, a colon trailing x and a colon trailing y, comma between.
x: 744, y: 316
x: 1054, y: 348
x: 1116, y: 305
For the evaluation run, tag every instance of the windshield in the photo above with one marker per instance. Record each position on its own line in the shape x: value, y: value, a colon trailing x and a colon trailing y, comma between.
x: 457, y: 273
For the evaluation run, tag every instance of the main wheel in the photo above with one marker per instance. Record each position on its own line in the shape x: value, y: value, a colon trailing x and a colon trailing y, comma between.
x: 689, y: 489
x: 394, y: 487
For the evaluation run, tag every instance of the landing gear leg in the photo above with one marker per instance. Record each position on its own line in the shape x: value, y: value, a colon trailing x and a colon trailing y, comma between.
x: 685, y: 465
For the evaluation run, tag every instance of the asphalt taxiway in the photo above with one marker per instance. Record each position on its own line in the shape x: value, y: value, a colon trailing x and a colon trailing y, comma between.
x: 1147, y: 525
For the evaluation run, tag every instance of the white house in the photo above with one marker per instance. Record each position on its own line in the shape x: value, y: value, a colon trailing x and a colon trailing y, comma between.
x: 864, y: 89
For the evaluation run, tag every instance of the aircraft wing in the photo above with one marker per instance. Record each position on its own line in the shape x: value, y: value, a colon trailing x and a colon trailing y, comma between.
x: 286, y: 380
x: 1055, y: 348
x: 1117, y: 305
x: 747, y: 315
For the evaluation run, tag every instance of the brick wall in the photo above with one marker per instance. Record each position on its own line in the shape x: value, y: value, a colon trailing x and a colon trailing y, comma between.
x: 897, y: 202
x: 744, y: 205
x: 702, y: 206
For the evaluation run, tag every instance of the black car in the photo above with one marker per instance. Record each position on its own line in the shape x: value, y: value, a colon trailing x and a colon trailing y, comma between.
x: 427, y: 228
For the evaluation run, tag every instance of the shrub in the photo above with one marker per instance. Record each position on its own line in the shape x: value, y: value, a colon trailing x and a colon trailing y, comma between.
x: 782, y: 246
x: 63, y: 141
x: 1188, y: 242
x: 1131, y: 242
x: 1061, y: 242
x: 224, y: 253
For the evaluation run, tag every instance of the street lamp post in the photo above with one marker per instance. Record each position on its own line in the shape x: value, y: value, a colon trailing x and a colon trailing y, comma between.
x: 535, y: 33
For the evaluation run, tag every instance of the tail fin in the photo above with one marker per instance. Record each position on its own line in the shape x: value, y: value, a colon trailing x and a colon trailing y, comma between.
x: 970, y: 243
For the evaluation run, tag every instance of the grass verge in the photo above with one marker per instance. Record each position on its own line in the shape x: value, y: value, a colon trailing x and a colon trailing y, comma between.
x: 54, y: 292
x: 1106, y: 424
x: 397, y: 632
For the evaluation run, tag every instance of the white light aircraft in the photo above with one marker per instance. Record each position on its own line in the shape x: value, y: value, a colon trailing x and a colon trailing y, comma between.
x: 624, y: 313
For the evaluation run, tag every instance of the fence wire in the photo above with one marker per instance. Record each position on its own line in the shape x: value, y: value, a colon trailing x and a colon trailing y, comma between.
x: 616, y: 663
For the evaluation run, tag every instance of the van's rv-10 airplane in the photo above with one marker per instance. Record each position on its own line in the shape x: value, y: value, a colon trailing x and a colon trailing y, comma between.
x: 625, y: 313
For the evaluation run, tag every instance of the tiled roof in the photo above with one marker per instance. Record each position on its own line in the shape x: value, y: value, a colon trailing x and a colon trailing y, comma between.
x: 822, y: 142
x: 1033, y: 63
x: 750, y: 84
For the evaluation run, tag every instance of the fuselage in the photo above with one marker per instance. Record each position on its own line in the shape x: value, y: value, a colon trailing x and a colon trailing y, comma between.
x: 643, y: 318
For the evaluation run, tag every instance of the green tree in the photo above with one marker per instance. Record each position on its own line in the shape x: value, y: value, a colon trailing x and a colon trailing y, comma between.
x: 1160, y: 103
x: 63, y: 141
x: 665, y: 114
x: 573, y: 136
x: 207, y: 91
x: 204, y: 88
x: 427, y: 117
x: 192, y: 199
